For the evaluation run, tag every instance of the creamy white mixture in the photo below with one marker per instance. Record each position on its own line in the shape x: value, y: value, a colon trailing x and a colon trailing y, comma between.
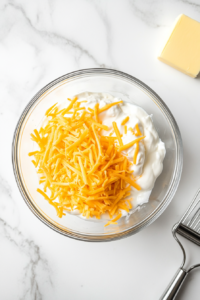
x: 152, y: 151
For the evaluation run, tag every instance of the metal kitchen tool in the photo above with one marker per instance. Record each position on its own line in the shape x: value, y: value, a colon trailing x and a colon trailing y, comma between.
x: 188, y: 227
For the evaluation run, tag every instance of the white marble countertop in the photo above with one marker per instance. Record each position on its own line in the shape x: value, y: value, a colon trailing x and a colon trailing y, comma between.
x: 40, y: 41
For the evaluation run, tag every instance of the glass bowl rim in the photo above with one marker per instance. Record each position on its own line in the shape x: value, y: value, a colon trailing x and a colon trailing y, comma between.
x: 176, y: 176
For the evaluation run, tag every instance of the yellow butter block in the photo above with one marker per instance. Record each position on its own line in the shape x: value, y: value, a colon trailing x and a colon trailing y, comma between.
x: 182, y: 50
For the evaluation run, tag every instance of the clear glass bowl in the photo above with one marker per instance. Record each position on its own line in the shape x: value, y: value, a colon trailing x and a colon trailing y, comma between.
x: 129, y: 89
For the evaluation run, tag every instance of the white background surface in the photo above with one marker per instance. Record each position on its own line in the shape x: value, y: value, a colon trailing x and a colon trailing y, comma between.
x: 39, y: 41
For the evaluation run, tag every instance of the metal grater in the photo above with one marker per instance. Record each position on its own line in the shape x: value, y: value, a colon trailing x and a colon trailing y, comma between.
x: 188, y: 227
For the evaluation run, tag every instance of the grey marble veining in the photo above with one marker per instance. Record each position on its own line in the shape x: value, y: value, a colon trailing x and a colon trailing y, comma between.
x: 53, y: 37
x: 100, y: 6
x: 195, y: 4
x: 35, y: 262
x: 148, y: 14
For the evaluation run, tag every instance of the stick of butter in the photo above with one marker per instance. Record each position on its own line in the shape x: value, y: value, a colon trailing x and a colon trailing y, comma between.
x: 182, y: 50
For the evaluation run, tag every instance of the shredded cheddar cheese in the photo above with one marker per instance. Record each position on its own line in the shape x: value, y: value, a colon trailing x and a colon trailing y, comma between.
x: 80, y: 168
x: 125, y: 120
x: 136, y: 153
x: 124, y: 147
x: 138, y: 132
x: 131, y: 129
x: 117, y: 133
x: 125, y: 129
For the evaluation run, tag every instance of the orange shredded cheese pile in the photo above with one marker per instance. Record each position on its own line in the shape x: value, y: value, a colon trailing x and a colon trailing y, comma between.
x: 79, y: 167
